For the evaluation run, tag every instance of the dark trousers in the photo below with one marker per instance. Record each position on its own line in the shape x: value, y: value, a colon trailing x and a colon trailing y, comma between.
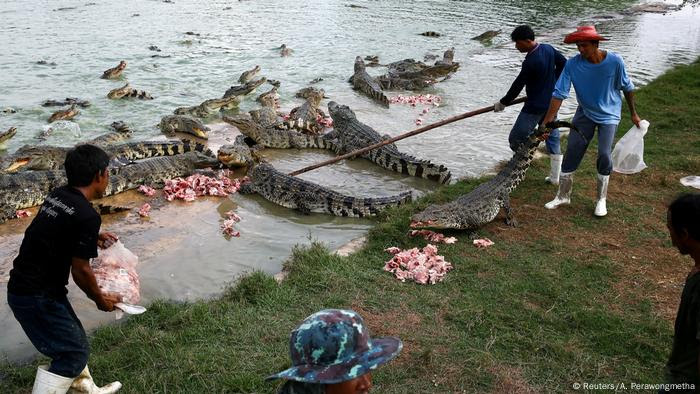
x: 55, y: 331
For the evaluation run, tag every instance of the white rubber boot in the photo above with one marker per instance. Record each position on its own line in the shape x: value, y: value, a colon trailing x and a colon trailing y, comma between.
x: 555, y: 169
x: 600, y: 206
x: 566, y: 181
x: 50, y: 383
x: 84, y: 384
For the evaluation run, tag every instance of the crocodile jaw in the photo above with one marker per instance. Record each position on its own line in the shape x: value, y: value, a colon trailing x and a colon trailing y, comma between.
x: 200, y: 133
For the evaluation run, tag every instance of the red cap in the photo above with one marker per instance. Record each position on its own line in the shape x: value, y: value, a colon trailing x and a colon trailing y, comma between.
x: 583, y: 33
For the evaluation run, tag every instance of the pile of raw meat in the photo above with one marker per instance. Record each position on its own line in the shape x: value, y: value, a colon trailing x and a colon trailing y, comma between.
x: 422, y: 266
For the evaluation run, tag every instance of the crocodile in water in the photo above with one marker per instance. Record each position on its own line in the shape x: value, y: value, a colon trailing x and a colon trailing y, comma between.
x: 269, y: 137
x: 349, y: 134
x: 170, y: 124
x: 366, y: 84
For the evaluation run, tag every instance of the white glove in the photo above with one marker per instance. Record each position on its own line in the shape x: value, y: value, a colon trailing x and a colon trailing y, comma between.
x: 498, y: 107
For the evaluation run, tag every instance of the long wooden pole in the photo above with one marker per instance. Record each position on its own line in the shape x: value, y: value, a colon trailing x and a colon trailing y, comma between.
x: 402, y: 136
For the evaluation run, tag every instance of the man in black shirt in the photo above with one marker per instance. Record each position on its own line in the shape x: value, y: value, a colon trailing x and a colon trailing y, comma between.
x: 682, y: 369
x: 62, y: 238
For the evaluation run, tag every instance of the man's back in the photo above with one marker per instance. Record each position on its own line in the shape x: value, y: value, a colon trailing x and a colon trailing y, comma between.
x: 66, y: 226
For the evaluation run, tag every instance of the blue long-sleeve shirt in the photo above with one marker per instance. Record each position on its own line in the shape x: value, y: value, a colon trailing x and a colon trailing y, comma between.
x: 538, y: 74
x: 597, y: 86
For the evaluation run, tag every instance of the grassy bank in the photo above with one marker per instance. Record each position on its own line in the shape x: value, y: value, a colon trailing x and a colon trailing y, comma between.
x: 562, y: 298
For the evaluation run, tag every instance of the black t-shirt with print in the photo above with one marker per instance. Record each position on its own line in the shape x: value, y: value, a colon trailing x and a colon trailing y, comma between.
x: 66, y: 226
x: 682, y: 366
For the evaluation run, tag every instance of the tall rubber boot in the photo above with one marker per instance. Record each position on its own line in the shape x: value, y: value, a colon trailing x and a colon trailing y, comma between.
x: 566, y: 181
x: 555, y: 169
x: 49, y: 383
x: 600, y: 206
x: 84, y: 384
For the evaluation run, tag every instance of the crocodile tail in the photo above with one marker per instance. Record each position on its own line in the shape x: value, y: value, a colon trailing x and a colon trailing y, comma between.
x: 369, y: 206
x: 417, y: 168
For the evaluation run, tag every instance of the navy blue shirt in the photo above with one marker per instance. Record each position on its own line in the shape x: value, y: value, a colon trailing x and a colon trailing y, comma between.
x: 539, y: 73
x: 66, y: 226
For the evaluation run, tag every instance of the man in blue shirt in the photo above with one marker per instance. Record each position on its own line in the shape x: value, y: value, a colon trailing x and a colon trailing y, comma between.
x: 598, y: 77
x: 539, y: 73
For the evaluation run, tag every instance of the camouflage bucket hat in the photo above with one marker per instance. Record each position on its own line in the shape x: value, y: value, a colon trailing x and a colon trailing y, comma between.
x: 333, y: 346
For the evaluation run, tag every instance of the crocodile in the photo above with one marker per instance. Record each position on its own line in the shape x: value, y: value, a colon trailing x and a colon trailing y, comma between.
x: 284, y: 50
x: 32, y: 157
x: 237, y: 154
x: 487, y: 35
x: 349, y: 134
x: 267, y: 115
x: 45, y: 157
x: 268, y: 137
x: 305, y: 117
x: 366, y: 84
x: 128, y: 91
x: 270, y: 93
x: 114, y: 72
x: 4, y: 137
x: 310, y: 91
x: 431, y: 34
x: 242, y: 90
x: 480, y: 206
x: 248, y: 76
x: 67, y: 101
x: 306, y: 197
x: 29, y: 188
x: 156, y: 171
x: 410, y: 74
x: 64, y: 114
x: 170, y: 124
x: 209, y: 107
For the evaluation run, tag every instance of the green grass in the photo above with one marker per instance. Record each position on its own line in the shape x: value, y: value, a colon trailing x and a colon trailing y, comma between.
x: 550, y: 304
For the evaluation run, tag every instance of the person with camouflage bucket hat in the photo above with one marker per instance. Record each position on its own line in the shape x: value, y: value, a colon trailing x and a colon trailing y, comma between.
x: 332, y: 353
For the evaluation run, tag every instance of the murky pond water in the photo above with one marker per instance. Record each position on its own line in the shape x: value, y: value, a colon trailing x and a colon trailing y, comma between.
x: 183, y: 255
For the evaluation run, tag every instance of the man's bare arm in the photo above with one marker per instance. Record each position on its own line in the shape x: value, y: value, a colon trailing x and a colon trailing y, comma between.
x: 85, y: 279
x: 554, y: 106
x: 629, y: 97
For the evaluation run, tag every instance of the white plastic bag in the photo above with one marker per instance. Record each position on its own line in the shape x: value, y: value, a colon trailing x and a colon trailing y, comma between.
x: 114, y: 269
x: 628, y: 154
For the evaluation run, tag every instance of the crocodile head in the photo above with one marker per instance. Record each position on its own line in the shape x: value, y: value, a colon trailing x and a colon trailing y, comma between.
x: 438, y: 217
x: 235, y: 155
x: 359, y: 64
x: 184, y: 124
x: 8, y: 134
x: 119, y: 92
x: 202, y: 159
x: 340, y: 113
x: 246, y: 76
x: 34, y: 158
x: 245, y: 124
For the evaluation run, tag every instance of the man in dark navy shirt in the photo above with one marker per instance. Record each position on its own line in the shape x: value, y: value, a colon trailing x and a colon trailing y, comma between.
x: 683, y: 366
x: 539, y: 73
x: 61, y: 239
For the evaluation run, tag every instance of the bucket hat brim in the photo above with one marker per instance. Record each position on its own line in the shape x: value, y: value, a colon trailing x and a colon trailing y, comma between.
x: 381, y: 350
x: 583, y: 33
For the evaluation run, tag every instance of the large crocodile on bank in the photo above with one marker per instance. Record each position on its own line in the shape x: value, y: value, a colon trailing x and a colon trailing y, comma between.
x: 481, y: 205
x: 29, y: 188
x: 268, y: 137
x: 366, y: 84
x: 349, y: 134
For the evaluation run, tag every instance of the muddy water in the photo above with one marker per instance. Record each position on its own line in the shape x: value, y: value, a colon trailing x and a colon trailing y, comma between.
x: 183, y: 255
